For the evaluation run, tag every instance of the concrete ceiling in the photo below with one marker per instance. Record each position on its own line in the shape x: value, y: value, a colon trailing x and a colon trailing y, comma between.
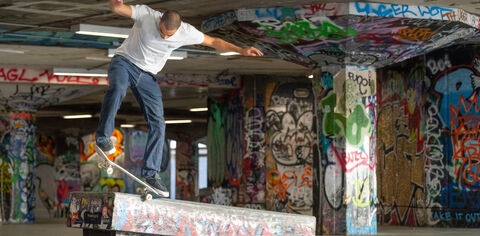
x: 41, y: 30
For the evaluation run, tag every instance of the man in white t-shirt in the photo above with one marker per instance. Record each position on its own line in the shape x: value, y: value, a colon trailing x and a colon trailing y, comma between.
x: 142, y: 55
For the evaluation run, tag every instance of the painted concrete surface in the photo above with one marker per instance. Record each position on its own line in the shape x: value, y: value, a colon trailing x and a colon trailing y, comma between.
x: 57, y: 227
x: 128, y: 213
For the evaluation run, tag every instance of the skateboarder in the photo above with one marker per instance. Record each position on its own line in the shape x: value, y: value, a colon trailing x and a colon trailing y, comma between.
x: 142, y: 55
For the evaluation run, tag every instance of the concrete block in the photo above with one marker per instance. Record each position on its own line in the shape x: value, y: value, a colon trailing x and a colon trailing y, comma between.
x: 128, y: 213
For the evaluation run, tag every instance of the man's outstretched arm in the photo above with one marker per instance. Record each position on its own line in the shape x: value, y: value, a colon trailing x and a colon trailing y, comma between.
x: 224, y: 46
x: 119, y: 8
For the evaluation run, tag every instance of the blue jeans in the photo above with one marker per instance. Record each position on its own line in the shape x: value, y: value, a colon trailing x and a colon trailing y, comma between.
x: 123, y: 74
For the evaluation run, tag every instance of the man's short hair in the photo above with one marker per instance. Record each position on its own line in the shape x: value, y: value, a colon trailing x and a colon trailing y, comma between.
x: 171, y: 19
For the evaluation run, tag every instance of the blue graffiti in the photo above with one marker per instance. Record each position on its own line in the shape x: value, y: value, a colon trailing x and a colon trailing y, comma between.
x: 327, y: 79
x: 453, y: 86
x: 368, y: 228
x: 276, y: 12
x: 396, y: 10
x: 219, y: 21
x: 455, y: 196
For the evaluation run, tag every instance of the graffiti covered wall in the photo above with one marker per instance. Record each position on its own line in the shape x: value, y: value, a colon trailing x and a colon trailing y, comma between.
x: 346, y: 114
x: 351, y: 33
x: 290, y: 140
x: 402, y: 135
x: 254, y: 122
x: 330, y: 124
x: 46, y: 203
x: 94, y: 178
x: 18, y: 168
x: 428, y: 139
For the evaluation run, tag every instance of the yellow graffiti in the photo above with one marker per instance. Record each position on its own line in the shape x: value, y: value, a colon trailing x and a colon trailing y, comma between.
x: 361, y: 188
x: 111, y: 183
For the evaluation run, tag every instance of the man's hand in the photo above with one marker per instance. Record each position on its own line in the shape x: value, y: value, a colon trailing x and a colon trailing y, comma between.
x: 115, y: 3
x: 119, y: 8
x: 251, y: 51
x: 223, y: 46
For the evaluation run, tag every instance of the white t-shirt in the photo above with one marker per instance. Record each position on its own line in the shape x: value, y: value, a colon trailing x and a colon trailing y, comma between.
x: 145, y: 48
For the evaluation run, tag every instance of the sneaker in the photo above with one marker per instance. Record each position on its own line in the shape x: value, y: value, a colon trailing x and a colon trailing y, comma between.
x: 107, y: 147
x: 156, y: 183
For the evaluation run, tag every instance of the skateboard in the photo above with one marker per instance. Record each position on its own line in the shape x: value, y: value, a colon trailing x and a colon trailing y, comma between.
x: 147, y: 191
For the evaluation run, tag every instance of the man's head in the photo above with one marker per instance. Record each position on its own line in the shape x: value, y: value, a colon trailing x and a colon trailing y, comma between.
x: 169, y: 23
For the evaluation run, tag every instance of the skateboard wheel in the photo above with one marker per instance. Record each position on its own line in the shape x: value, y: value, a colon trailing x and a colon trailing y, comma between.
x: 148, y: 197
x: 109, y: 170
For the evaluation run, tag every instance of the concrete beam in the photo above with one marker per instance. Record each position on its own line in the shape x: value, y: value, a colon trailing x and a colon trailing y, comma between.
x: 23, y: 75
x: 128, y: 213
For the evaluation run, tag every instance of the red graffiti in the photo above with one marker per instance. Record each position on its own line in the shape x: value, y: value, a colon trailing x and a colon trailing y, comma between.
x: 280, y: 183
x: 33, y: 76
x: 466, y: 141
x: 351, y: 160
x: 63, y: 191
x: 314, y: 8
x: 14, y: 75
x: 66, y: 79
x: 355, y: 159
x: 450, y: 15
x: 21, y: 116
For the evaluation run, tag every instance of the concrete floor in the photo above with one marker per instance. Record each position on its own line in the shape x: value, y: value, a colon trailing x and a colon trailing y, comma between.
x: 58, y: 227
x: 41, y: 227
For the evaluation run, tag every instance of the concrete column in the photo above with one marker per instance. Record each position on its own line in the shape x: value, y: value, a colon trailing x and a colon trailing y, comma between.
x: 20, y: 160
x: 345, y: 172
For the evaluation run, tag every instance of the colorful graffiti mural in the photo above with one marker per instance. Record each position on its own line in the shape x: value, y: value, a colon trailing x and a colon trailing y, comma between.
x: 226, y: 145
x: 454, y: 93
x: 290, y: 140
x: 402, y: 136
x: 186, y: 169
x: 67, y: 172
x: 355, y: 33
x: 21, y: 159
x: 346, y: 127
x: 428, y: 125
x: 128, y: 213
x: 94, y: 178
x: 5, y: 169
x: 253, y: 185
x: 330, y: 125
x: 46, y: 203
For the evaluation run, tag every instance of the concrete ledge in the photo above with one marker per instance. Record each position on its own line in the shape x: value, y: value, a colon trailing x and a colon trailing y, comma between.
x: 128, y: 213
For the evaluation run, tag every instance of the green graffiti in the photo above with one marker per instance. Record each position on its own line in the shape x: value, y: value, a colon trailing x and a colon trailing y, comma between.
x: 333, y: 123
x: 292, y: 32
x: 358, y: 125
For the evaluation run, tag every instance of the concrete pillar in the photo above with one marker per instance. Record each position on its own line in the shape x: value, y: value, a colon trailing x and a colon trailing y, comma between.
x: 20, y: 162
x: 344, y: 174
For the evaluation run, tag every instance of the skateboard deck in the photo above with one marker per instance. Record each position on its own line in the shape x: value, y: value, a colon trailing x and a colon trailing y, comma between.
x: 147, y: 191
